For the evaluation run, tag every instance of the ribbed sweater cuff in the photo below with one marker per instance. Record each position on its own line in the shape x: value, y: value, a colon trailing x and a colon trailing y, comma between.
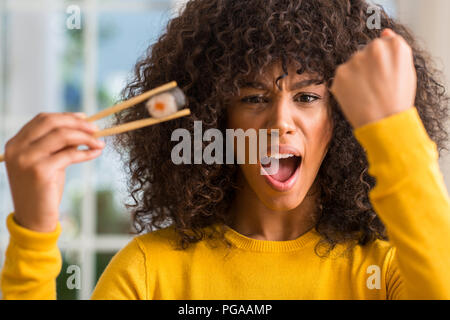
x: 29, y: 239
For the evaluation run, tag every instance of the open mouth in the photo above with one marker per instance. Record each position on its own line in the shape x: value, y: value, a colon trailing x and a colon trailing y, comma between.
x: 286, y: 175
x: 287, y: 165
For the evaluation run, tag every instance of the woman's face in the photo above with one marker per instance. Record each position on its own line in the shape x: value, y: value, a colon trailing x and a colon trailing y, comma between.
x: 300, y: 112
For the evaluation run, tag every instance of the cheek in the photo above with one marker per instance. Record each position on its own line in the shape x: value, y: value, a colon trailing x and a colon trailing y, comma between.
x: 318, y: 134
x: 234, y: 117
x: 238, y: 118
x: 231, y: 117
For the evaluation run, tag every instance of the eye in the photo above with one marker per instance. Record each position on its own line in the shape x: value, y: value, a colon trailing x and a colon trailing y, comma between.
x: 255, y: 99
x: 306, y: 98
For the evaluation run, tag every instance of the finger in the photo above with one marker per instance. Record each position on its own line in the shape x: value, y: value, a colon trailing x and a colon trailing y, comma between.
x: 46, y: 122
x: 71, y: 155
x: 59, y: 139
x: 396, y: 41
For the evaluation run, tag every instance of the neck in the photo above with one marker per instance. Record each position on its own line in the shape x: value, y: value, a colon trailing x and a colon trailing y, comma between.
x: 255, y: 220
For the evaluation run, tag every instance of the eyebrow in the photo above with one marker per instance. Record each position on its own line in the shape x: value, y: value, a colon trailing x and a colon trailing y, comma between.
x: 295, y: 86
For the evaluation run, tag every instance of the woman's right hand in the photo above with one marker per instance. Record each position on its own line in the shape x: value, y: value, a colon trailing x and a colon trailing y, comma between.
x: 36, y: 159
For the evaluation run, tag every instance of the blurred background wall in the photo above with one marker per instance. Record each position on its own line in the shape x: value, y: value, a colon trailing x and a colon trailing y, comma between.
x: 430, y: 21
x: 45, y: 66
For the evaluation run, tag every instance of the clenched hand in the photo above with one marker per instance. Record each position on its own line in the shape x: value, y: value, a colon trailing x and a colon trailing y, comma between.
x: 376, y: 82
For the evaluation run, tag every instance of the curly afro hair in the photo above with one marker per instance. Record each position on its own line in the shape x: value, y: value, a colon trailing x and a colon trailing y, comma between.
x: 208, y: 49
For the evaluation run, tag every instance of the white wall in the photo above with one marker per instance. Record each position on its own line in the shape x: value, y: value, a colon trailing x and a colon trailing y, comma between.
x: 430, y: 21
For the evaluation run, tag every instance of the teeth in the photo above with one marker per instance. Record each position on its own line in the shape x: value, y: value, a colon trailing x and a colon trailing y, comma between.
x: 281, y: 156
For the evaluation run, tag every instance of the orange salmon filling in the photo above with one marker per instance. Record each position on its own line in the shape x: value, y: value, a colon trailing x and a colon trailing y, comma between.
x: 160, y: 106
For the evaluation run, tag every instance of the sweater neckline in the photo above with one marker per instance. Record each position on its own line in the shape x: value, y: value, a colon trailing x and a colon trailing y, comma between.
x: 243, y: 242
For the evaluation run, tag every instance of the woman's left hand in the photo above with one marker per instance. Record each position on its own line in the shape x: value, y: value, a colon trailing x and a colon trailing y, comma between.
x: 376, y: 82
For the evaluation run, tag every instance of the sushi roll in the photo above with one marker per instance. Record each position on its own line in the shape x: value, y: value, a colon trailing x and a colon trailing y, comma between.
x: 166, y: 103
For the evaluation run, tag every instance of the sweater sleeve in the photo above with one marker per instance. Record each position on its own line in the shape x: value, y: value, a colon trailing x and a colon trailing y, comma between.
x: 411, y: 199
x: 32, y: 263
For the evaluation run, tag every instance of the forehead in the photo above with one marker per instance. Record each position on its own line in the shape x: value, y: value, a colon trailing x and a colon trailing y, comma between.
x: 294, y: 82
x: 274, y: 74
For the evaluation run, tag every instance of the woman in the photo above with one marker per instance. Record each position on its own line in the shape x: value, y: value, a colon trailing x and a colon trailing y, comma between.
x: 360, y: 131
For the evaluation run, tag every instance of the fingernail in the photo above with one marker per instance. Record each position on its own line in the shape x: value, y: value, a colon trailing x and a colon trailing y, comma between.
x: 95, y: 151
x: 81, y: 115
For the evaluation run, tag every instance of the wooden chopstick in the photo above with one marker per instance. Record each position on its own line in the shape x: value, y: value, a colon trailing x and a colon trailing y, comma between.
x: 131, y: 102
x: 139, y: 124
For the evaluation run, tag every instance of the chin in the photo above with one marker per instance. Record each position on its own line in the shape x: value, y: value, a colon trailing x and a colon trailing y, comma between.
x: 281, y: 202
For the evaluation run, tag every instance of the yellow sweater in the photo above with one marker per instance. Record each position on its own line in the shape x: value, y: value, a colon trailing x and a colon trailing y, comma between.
x: 410, y: 198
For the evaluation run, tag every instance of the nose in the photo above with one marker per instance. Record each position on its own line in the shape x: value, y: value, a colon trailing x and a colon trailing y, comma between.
x: 281, y: 118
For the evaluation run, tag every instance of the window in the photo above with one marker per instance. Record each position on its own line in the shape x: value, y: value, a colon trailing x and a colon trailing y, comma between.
x: 47, y: 67
x: 389, y: 5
